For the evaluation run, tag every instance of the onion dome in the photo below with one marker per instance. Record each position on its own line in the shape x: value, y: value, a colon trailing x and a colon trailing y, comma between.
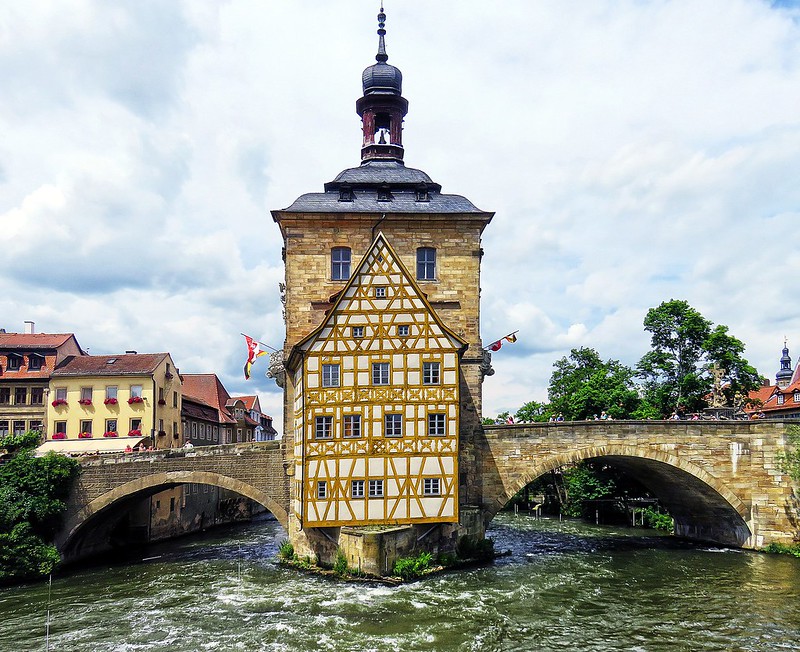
x: 382, y: 77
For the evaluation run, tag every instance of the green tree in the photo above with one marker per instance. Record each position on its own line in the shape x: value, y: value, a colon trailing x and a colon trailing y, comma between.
x: 582, y: 385
x: 533, y: 411
x: 33, y: 494
x: 684, y: 347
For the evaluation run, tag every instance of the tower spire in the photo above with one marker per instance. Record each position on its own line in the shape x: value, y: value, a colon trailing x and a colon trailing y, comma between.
x: 381, y: 57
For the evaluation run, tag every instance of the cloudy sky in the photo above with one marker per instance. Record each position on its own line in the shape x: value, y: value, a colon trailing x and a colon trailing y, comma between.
x: 634, y: 151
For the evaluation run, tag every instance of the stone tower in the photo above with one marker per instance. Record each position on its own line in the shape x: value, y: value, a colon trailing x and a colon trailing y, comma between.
x: 337, y: 245
x: 784, y: 376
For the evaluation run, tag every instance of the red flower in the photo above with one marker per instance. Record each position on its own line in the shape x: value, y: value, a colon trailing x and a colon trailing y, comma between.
x: 59, y: 401
x: 85, y: 401
x: 135, y: 399
x: 134, y: 433
x: 84, y: 435
x: 110, y: 433
x: 59, y: 435
x: 110, y: 401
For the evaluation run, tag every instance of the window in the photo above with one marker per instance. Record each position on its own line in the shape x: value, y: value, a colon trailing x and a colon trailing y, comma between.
x: 780, y: 399
x: 5, y: 395
x: 61, y: 427
x: 426, y: 264
x: 136, y: 424
x: 358, y: 331
x: 174, y: 429
x: 330, y: 375
x: 384, y: 193
x: 20, y: 395
x: 376, y: 488
x: 111, y: 392
x: 37, y: 395
x: 3, y: 428
x: 437, y: 425
x: 402, y: 331
x: 797, y: 397
x: 35, y: 362
x: 136, y: 391
x: 86, y: 426
x: 380, y: 373
x: 172, y: 504
x: 86, y: 395
x: 430, y: 373
x: 61, y: 393
x: 340, y: 263
x: 352, y: 426
x: 380, y: 292
x: 19, y: 427
x: 357, y: 489
x: 421, y: 193
x: 35, y: 425
x: 393, y: 425
x: 14, y: 362
x: 431, y: 487
x: 111, y: 425
x: 161, y: 400
x: 323, y: 427
x: 322, y: 489
x: 174, y: 399
x: 345, y: 193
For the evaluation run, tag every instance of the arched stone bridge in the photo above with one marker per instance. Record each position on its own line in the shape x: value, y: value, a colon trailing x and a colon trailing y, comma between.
x: 720, y: 480
x: 254, y: 470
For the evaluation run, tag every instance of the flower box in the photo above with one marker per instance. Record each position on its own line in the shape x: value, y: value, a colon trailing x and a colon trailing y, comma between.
x: 135, y: 399
x: 85, y: 401
x: 84, y: 435
x: 110, y: 401
x: 59, y: 401
x: 59, y: 435
x: 161, y: 401
x: 110, y: 433
x: 134, y: 433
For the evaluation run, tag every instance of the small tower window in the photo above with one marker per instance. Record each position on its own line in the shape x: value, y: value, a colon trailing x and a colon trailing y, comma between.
x: 384, y: 194
x: 340, y: 263
x: 426, y: 264
x: 383, y: 129
x: 345, y: 193
x: 421, y: 193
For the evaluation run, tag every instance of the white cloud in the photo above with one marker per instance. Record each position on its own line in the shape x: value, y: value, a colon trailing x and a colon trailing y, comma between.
x: 633, y: 151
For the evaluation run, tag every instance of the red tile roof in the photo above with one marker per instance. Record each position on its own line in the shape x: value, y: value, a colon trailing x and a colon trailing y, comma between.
x: 32, y: 341
x: 52, y: 347
x: 125, y: 364
x: 208, y: 389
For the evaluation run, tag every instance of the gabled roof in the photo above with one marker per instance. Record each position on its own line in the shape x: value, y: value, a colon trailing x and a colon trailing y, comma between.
x: 124, y: 364
x: 33, y: 341
x: 380, y: 259
x: 208, y: 389
x: 250, y: 402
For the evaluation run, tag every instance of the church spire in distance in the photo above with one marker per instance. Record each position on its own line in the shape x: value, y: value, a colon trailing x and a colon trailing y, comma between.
x: 383, y: 107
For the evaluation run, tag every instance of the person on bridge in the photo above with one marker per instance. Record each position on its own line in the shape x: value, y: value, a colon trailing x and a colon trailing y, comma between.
x: 188, y: 445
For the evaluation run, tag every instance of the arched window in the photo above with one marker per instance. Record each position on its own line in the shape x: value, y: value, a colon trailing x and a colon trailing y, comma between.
x: 340, y: 263
x: 426, y: 264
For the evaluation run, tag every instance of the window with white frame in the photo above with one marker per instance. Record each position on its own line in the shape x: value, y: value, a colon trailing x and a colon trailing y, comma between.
x: 358, y: 331
x: 376, y: 488
x: 111, y: 392
x: 330, y: 375
x: 61, y: 393
x: 393, y: 425
x: 431, y: 373
x: 380, y: 373
x: 426, y: 264
x: 431, y: 487
x: 437, y: 424
x: 60, y: 427
x: 357, y: 489
x: 780, y: 399
x: 86, y: 426
x: 136, y: 424
x: 86, y: 394
x: 797, y: 397
x: 322, y: 489
x: 323, y: 427
x: 351, y: 426
x: 136, y: 391
x: 340, y: 263
x: 111, y: 425
x: 380, y: 292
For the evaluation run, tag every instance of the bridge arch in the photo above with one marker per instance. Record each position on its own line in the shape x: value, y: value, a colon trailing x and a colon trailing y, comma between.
x: 703, y: 506
x: 159, y: 481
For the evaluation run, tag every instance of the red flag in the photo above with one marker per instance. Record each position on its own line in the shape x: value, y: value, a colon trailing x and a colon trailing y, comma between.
x: 253, y: 351
x: 495, y: 346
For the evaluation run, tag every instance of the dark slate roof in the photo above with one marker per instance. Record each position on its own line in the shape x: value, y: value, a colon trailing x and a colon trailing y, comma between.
x: 364, y: 182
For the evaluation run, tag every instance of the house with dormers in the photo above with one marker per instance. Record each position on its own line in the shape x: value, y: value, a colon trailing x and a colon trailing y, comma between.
x: 781, y: 400
x: 377, y: 404
x: 27, y: 361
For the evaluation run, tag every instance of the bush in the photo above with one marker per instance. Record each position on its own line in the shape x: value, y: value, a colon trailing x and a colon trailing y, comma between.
x: 469, y: 548
x: 658, y: 520
x: 410, y: 567
x: 340, y: 565
x: 286, y: 550
x: 783, y: 549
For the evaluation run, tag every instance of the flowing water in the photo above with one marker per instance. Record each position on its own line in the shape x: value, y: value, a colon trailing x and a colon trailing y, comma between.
x: 566, y: 586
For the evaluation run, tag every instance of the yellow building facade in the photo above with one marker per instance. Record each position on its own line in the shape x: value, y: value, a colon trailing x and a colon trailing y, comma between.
x: 107, y: 402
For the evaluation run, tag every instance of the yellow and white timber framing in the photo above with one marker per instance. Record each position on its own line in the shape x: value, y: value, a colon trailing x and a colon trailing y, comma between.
x: 380, y: 359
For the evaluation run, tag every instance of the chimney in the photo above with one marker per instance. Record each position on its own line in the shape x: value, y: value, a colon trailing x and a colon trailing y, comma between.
x: 30, y: 328
x: 134, y: 352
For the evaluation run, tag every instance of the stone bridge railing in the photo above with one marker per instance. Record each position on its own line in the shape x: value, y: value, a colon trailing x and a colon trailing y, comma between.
x: 255, y: 470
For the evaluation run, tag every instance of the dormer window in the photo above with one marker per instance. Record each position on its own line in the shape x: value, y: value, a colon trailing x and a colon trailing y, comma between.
x: 421, y: 193
x: 384, y: 194
x: 797, y: 397
x: 345, y: 193
x: 780, y: 399
x: 14, y: 362
x: 35, y: 362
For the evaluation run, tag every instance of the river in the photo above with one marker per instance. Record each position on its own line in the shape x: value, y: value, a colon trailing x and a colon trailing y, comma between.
x: 566, y: 586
